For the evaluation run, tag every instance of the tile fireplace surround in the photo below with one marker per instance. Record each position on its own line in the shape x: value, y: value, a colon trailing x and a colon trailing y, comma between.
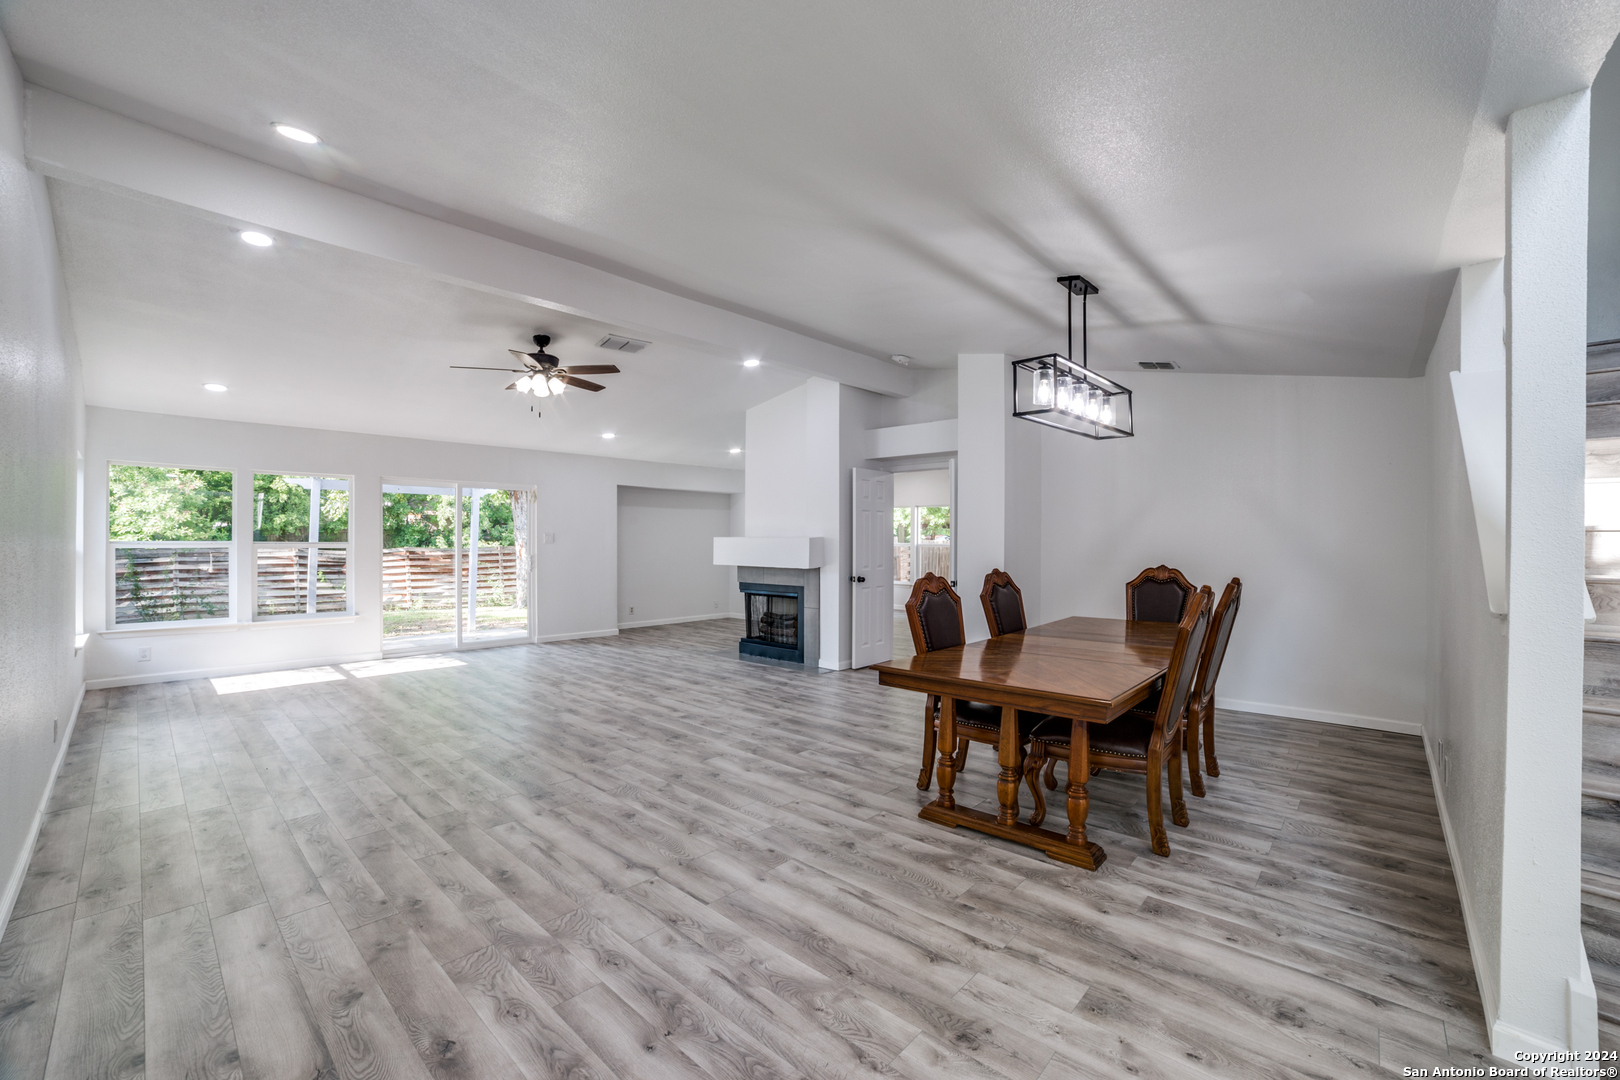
x: 809, y: 612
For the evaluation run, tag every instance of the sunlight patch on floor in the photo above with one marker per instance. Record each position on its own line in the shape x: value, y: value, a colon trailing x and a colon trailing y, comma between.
x: 271, y: 680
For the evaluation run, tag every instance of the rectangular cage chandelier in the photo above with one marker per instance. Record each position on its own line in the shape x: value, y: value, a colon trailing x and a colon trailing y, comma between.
x: 1055, y: 391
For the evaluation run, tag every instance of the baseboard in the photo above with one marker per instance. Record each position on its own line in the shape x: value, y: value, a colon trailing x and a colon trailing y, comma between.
x: 1322, y: 716
x: 233, y: 669
x: 679, y: 619
x: 8, y: 899
x: 1487, y: 988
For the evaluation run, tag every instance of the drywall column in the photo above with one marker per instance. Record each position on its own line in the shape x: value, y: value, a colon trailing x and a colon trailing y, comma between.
x: 793, y: 486
x: 41, y: 443
x: 1545, y: 997
x: 998, y: 486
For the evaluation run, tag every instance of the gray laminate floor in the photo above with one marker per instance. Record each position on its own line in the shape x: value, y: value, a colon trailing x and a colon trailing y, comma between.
x: 639, y: 857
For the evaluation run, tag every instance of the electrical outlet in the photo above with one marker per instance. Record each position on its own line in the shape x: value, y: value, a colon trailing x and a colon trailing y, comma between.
x: 632, y: 611
x: 717, y: 605
x: 143, y: 654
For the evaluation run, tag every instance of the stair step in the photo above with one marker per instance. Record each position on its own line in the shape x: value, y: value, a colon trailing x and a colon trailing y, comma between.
x: 1602, y: 356
x: 1603, y: 421
x: 1598, y: 883
x: 1602, y: 387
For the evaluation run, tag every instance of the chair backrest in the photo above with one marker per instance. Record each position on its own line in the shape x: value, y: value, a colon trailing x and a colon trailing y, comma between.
x: 1209, y: 668
x: 1158, y: 594
x: 935, y: 614
x: 1184, y: 658
x: 1003, y: 604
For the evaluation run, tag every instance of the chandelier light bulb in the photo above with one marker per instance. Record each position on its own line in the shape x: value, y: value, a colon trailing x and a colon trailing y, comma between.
x: 1063, y: 394
x: 1105, y: 415
x: 1043, y: 388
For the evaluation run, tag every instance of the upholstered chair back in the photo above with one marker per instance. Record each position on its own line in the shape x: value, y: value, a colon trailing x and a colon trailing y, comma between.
x: 1158, y: 594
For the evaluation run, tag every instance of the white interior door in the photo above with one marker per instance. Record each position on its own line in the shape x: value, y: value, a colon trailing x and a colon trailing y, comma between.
x: 872, y: 569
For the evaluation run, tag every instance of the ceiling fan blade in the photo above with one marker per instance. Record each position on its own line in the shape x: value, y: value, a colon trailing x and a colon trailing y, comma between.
x: 511, y: 386
x: 527, y: 359
x: 465, y: 367
x: 589, y: 369
x: 583, y: 384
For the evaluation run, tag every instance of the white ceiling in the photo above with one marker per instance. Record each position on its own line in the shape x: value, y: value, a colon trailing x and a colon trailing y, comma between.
x: 1257, y: 187
x: 166, y: 299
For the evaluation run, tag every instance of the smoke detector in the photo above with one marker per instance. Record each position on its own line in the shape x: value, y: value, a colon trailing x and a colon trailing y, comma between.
x: 901, y: 359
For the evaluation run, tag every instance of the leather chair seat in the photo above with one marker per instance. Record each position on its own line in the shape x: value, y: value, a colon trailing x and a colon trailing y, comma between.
x: 982, y: 717
x: 1127, y: 736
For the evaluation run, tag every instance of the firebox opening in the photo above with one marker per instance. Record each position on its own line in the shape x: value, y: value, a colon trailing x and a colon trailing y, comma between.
x: 774, y: 622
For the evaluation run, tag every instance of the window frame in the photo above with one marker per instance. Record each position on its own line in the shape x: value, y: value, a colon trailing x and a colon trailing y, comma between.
x: 232, y: 568
x: 311, y: 594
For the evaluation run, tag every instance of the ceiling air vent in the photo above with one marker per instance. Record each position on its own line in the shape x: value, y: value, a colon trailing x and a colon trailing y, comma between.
x: 1156, y: 365
x: 622, y: 344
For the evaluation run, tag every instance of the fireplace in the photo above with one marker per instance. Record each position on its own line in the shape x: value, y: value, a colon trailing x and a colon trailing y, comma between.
x: 775, y: 621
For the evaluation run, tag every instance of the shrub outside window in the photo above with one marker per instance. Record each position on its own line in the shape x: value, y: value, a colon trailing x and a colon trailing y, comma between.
x: 169, y: 538
x: 300, y: 546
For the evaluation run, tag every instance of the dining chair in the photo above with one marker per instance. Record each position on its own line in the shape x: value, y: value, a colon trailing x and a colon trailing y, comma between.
x: 934, y: 613
x: 1201, y: 702
x: 1135, y: 743
x: 1003, y: 604
x: 1158, y: 594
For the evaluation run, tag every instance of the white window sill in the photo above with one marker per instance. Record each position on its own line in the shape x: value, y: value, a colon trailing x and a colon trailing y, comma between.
x: 200, y: 627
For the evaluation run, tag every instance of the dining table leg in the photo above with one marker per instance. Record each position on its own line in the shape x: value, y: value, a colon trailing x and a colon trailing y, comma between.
x: 1079, y: 773
x: 1011, y: 767
x: 947, y: 756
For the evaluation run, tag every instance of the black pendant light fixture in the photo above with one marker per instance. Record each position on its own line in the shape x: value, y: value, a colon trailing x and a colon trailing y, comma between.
x: 1055, y: 391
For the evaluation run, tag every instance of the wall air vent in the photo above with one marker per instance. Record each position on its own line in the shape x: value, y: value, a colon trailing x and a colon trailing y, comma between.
x: 622, y: 344
x: 1156, y: 365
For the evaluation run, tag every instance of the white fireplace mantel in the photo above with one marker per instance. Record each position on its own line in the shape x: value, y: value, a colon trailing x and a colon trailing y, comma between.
x: 792, y: 552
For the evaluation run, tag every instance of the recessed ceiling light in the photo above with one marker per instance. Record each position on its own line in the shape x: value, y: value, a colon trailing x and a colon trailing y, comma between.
x: 608, y: 435
x: 752, y: 361
x: 296, y: 134
x: 216, y: 387
x: 736, y: 449
x: 257, y: 239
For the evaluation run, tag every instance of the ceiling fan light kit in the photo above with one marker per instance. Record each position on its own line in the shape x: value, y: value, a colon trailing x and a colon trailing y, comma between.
x: 1055, y: 391
x: 544, y: 375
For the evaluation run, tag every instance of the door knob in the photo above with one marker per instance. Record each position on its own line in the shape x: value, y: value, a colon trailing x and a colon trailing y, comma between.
x: 853, y: 578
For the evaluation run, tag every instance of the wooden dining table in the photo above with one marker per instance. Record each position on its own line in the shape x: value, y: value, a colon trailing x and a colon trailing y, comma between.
x: 1086, y: 670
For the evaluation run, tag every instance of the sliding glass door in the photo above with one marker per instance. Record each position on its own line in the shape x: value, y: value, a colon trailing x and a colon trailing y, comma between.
x: 457, y: 565
x: 494, y: 580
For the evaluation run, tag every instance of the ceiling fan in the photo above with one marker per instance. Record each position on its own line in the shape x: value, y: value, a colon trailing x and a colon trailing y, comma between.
x: 543, y: 374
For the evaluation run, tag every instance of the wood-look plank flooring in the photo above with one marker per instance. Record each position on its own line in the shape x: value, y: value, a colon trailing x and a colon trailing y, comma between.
x: 639, y: 857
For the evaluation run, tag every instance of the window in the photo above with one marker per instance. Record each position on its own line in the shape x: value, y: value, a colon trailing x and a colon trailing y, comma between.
x: 922, y: 542
x: 300, y: 545
x: 169, y: 535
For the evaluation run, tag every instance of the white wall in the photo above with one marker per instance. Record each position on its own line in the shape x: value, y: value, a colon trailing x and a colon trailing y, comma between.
x: 578, y: 502
x: 999, y: 507
x: 666, y: 556
x: 1467, y: 713
x: 41, y: 411
x: 1311, y: 489
x: 1603, y: 223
